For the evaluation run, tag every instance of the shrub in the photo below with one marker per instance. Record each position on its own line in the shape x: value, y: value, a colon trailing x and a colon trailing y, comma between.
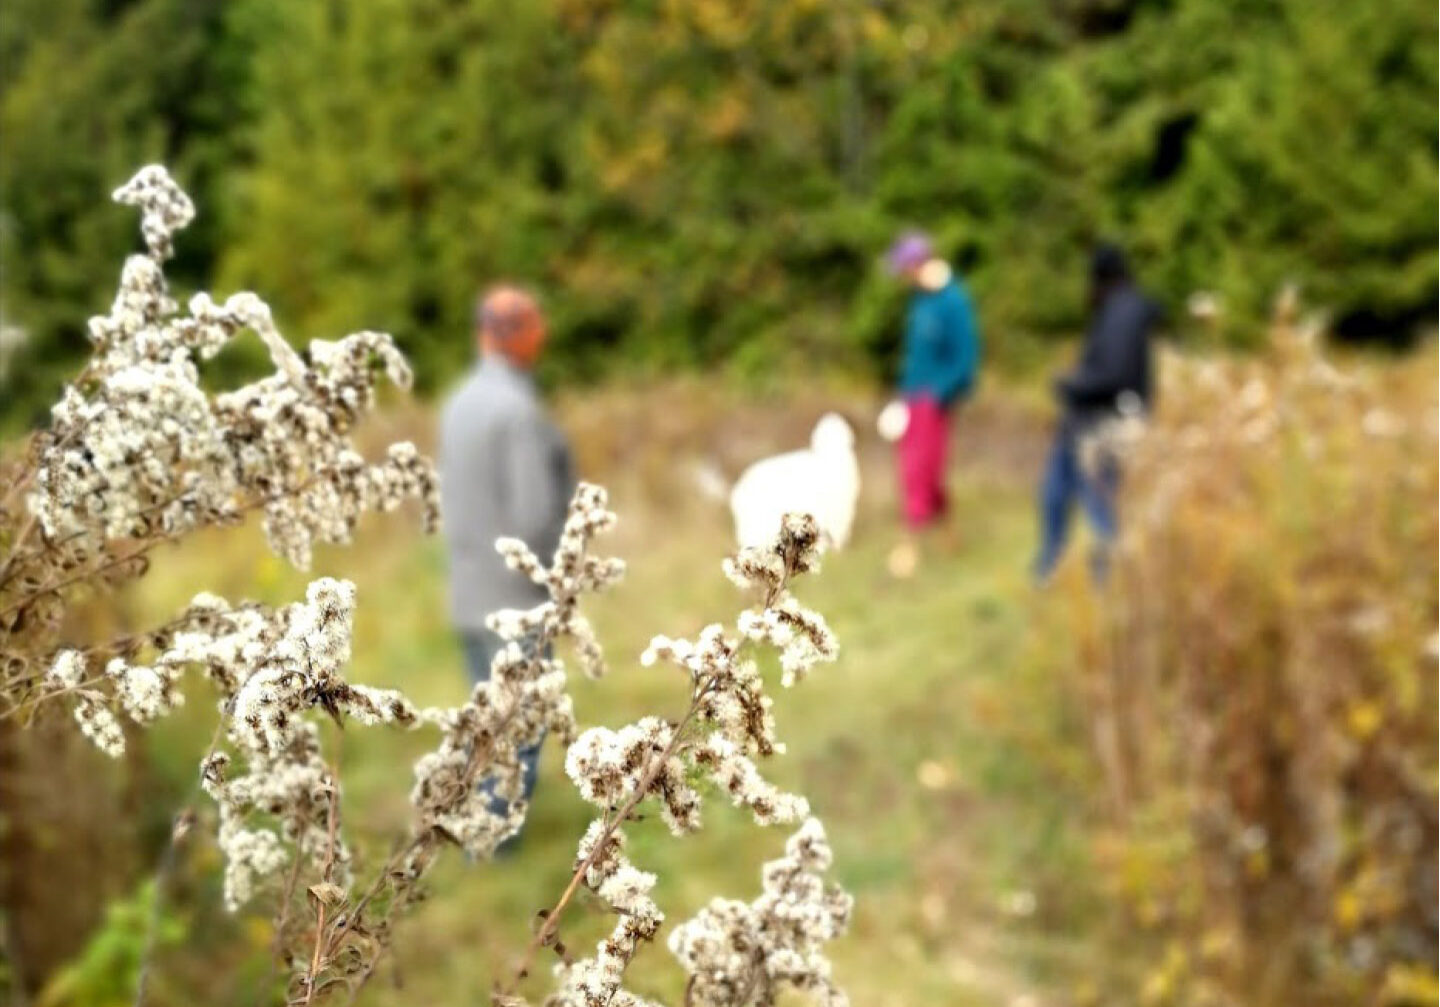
x: 1260, y: 683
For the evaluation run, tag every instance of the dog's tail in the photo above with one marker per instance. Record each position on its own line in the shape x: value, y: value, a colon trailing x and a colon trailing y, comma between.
x: 710, y: 480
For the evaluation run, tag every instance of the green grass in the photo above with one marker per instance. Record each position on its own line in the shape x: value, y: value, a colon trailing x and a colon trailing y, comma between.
x: 931, y: 675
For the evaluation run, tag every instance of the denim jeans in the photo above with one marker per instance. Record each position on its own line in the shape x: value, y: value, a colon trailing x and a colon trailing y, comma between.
x: 1064, y: 481
x: 481, y: 646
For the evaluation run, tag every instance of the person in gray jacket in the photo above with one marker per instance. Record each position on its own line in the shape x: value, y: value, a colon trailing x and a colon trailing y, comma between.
x: 505, y: 471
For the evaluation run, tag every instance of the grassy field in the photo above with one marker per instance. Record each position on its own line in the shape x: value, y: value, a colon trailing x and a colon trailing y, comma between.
x: 958, y: 750
x: 960, y: 845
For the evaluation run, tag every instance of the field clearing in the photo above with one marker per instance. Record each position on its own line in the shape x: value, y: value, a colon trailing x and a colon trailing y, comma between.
x: 956, y: 752
x: 955, y: 841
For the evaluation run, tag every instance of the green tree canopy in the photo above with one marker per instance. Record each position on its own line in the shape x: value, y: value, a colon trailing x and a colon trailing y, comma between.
x: 710, y: 182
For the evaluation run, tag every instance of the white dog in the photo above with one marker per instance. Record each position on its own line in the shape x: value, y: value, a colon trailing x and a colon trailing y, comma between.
x: 823, y: 481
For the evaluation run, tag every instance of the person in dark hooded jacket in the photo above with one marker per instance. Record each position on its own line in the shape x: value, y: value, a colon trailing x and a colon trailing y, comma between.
x: 1111, y: 378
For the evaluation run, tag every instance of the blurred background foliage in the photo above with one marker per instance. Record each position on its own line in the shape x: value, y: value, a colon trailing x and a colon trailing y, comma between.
x: 705, y: 183
x: 1259, y: 688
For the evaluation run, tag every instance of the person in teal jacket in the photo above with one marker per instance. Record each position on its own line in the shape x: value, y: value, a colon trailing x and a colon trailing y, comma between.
x: 938, y: 370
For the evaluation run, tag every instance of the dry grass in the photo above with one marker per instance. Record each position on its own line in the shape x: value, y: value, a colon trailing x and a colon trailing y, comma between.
x: 1260, y: 687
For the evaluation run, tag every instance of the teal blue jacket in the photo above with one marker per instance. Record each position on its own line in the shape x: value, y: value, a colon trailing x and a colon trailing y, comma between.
x: 942, y: 345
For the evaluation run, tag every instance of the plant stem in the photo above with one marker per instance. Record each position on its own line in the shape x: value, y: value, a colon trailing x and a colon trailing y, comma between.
x: 283, y: 919
x: 642, y: 789
x: 331, y: 826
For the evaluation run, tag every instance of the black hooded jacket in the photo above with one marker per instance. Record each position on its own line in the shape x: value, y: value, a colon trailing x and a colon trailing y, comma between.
x: 1116, y: 357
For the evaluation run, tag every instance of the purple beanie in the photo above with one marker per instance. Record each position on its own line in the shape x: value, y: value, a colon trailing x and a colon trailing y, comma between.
x: 911, y: 250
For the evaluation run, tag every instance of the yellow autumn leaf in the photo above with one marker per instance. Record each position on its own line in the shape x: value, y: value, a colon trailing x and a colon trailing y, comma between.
x: 1347, y: 909
x: 1364, y: 719
x: 1410, y: 986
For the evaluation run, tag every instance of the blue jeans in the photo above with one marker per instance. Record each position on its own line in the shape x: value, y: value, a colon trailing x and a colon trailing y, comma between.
x: 1065, y: 481
x: 481, y: 646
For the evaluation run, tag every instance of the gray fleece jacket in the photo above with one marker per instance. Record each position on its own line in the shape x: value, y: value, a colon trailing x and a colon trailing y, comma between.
x: 505, y: 471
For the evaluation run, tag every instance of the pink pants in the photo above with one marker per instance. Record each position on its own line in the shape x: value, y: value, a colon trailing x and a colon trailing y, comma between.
x: 922, y: 461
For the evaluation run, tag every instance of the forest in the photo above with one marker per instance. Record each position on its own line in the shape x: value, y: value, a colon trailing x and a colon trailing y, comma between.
x: 709, y: 184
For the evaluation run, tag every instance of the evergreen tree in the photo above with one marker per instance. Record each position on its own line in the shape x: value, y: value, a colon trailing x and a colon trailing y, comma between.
x: 710, y: 183
x: 91, y: 91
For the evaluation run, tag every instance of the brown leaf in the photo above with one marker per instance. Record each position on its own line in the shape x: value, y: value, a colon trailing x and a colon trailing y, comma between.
x: 327, y: 895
